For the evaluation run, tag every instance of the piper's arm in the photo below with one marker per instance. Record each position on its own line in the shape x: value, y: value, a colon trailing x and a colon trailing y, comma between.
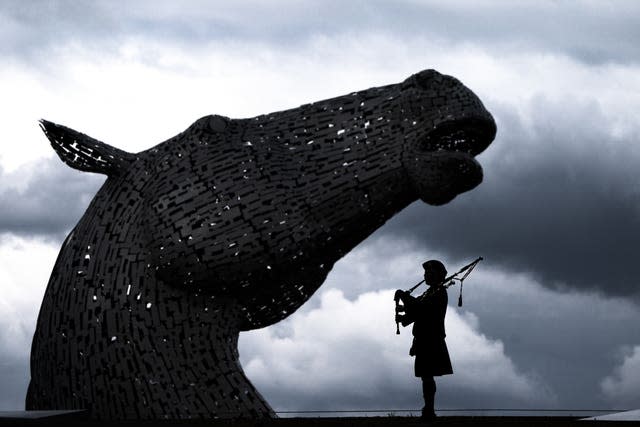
x: 406, y: 298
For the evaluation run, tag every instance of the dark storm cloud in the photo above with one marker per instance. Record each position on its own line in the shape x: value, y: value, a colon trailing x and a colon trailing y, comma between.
x: 560, y: 200
x: 570, y: 339
x: 12, y: 372
x: 50, y: 200
x: 592, y: 32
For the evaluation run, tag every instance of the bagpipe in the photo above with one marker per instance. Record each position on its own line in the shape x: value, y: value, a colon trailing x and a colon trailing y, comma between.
x: 447, y: 282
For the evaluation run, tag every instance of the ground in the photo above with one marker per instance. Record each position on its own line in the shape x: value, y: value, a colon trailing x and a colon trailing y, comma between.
x: 387, y: 421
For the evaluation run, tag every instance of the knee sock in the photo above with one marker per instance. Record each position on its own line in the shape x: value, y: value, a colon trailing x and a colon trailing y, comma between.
x: 429, y: 393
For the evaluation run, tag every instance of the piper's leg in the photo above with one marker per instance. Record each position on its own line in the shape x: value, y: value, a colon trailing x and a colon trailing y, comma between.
x: 429, y: 393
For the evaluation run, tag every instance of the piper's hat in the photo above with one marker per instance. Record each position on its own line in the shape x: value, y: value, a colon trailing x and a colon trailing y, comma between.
x: 435, y: 266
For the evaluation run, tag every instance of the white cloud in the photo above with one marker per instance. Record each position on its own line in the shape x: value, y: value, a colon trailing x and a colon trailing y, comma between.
x: 622, y: 387
x: 147, y: 90
x: 345, y: 352
x: 515, y: 343
x: 483, y: 364
x: 25, y: 266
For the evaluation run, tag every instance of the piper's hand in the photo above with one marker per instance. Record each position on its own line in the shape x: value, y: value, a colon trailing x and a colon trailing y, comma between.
x: 398, y: 295
x: 399, y: 318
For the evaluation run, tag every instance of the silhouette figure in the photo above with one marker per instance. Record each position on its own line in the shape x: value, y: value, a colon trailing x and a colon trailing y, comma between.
x: 427, y: 313
x: 230, y: 226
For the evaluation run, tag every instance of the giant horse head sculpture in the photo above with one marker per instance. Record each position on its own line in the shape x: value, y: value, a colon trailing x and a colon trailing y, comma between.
x: 231, y: 226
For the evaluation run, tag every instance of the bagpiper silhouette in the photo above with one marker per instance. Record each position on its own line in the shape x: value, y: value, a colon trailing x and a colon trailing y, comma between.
x: 427, y: 313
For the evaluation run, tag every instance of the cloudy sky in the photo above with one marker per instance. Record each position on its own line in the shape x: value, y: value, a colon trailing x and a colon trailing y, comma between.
x: 550, y: 317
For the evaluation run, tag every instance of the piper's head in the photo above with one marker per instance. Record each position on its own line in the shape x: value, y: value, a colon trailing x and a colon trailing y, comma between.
x: 434, y: 272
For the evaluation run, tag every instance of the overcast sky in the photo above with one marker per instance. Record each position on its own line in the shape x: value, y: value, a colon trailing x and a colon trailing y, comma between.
x: 550, y: 317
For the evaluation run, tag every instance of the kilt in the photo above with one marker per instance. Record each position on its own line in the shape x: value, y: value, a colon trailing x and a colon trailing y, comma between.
x: 432, y: 359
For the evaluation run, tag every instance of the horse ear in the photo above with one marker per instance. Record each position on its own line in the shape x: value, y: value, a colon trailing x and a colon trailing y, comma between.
x: 85, y: 153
